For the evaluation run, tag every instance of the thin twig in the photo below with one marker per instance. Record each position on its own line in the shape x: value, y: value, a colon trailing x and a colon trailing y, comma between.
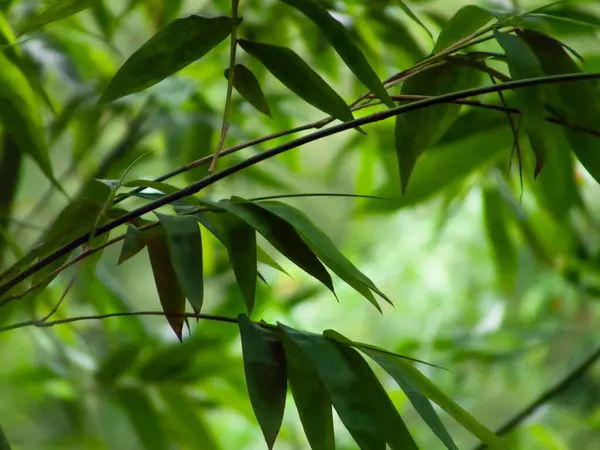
x: 320, y: 134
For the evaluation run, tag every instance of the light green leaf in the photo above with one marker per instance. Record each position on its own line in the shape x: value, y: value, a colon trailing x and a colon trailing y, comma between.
x: 240, y: 239
x: 344, y: 386
x: 4, y: 445
x: 172, y: 299
x: 247, y: 85
x: 265, y: 258
x: 57, y: 10
x: 523, y: 63
x: 185, y: 249
x: 174, y: 47
x: 143, y: 417
x: 325, y: 249
x: 299, y: 78
x: 413, y: 16
x: 344, y: 45
x: 310, y: 396
x: 264, y: 366
x: 417, y: 131
x: 417, y: 382
x: 466, y: 21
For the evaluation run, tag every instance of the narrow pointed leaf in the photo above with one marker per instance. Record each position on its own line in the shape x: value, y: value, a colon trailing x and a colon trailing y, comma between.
x: 265, y: 258
x: 523, y: 63
x: 345, y: 388
x: 57, y: 10
x: 310, y: 396
x: 416, y: 398
x: 466, y: 21
x: 248, y: 87
x: 170, y: 294
x: 264, y: 366
x: 174, y: 47
x: 418, y: 130
x: 241, y: 248
x: 343, y: 44
x: 577, y: 102
x: 325, y: 249
x: 185, y: 249
x: 404, y: 7
x: 132, y: 244
x: 416, y: 381
x: 298, y: 77
x: 281, y: 235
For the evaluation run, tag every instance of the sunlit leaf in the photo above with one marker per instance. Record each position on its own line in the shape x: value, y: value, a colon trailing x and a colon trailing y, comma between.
x: 143, y: 417
x: 310, y: 396
x: 299, y: 77
x: 264, y: 365
x: 174, y: 47
x: 56, y: 10
x: 466, y: 21
x: 343, y: 44
x: 172, y: 298
x: 247, y: 85
x: 241, y: 248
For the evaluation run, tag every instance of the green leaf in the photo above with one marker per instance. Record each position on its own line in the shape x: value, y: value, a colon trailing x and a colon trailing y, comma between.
x: 466, y: 21
x: 172, y: 299
x: 503, y: 248
x: 57, y: 10
x: 404, y: 7
x: 4, y: 445
x: 343, y: 44
x: 281, y: 235
x: 170, y: 363
x: 577, y: 102
x: 117, y: 363
x: 407, y: 375
x: 310, y: 396
x: 143, y: 417
x: 265, y: 258
x: 349, y: 396
x: 523, y: 63
x: 325, y: 249
x: 264, y: 366
x: 418, y: 130
x: 241, y: 248
x: 247, y: 85
x: 174, y: 47
x: 20, y: 116
x: 185, y: 248
x: 133, y: 243
x: 299, y: 78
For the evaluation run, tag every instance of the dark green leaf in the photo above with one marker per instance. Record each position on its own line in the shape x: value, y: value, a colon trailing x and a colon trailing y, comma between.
x: 265, y: 258
x: 577, y: 102
x: 174, y: 47
x: 345, y: 388
x: 404, y: 7
x: 143, y: 417
x: 523, y: 63
x: 264, y: 366
x: 241, y: 248
x: 247, y: 85
x: 343, y: 44
x: 418, y: 130
x: 325, y: 249
x: 299, y: 78
x: 416, y: 381
x: 172, y: 299
x: 310, y: 396
x: 170, y: 363
x: 4, y: 445
x: 281, y: 235
x: 57, y: 10
x: 466, y: 21
x: 133, y: 243
x: 117, y: 363
x: 185, y: 249
x: 416, y: 398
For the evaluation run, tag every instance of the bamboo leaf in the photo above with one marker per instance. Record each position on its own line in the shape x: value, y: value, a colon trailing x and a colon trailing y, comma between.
x: 57, y: 10
x: 174, y: 47
x: 404, y: 7
x: 185, y: 249
x: 248, y: 86
x: 264, y: 366
x: 4, y: 444
x: 143, y: 417
x: 298, y: 77
x: 117, y: 363
x: 343, y: 44
x: 466, y: 21
x: 172, y: 299
x: 132, y: 244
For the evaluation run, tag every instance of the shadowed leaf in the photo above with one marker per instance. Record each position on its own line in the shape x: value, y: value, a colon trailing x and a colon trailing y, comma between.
x: 247, y: 85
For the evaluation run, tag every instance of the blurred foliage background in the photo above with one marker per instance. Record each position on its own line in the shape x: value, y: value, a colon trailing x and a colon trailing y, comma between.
x: 508, y: 315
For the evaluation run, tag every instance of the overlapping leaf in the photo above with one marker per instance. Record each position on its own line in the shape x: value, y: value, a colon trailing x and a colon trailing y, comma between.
x: 248, y: 86
x: 57, y: 10
x: 174, y: 47
x: 463, y: 23
x: 264, y: 365
x: 298, y: 77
